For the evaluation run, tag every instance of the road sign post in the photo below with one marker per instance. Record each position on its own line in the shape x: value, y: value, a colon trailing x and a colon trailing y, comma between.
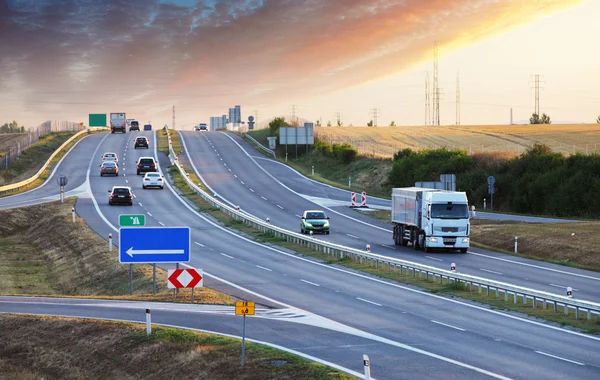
x: 132, y: 220
x: 491, y: 182
x: 62, y: 181
x: 154, y: 279
x: 244, y: 308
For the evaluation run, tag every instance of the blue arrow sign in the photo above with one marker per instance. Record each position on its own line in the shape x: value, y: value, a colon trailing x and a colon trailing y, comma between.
x: 154, y: 245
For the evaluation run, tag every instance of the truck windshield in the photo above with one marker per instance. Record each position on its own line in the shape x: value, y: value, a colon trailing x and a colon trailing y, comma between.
x: 450, y: 211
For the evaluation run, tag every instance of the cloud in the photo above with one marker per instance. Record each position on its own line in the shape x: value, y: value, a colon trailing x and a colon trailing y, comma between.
x: 145, y: 54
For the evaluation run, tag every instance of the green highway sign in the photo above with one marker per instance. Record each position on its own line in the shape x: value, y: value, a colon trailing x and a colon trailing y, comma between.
x: 98, y: 120
x: 132, y: 220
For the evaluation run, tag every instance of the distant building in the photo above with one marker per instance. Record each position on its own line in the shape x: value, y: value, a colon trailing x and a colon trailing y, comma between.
x: 231, y: 115
x: 237, y: 114
x: 217, y: 122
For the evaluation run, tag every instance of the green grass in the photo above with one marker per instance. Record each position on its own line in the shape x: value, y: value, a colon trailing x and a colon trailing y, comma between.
x: 592, y: 326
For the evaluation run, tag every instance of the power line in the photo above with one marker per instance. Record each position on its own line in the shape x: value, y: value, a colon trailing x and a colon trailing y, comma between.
x: 374, y: 114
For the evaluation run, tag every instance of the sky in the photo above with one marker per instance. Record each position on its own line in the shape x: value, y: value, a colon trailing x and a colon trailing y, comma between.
x: 61, y: 60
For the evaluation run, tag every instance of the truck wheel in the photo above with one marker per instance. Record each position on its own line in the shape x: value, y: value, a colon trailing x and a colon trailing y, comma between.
x: 415, y: 241
x: 403, y: 241
x: 423, y: 244
x: 463, y: 250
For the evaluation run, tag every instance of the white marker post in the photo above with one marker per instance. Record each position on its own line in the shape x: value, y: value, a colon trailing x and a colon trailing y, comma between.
x: 109, y: 242
x: 516, y: 243
x: 148, y: 322
x: 367, y: 365
x: 313, y: 170
x: 349, y: 182
x: 73, y: 213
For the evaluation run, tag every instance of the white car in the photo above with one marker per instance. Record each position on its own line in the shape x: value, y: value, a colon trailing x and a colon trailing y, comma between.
x: 110, y: 156
x: 153, y: 179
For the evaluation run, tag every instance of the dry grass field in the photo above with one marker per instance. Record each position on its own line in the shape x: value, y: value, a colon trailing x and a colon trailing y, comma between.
x: 9, y: 139
x: 512, y: 139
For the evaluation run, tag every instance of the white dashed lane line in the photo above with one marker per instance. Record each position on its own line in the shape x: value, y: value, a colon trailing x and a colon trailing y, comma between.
x: 563, y: 287
x: 235, y: 176
x: 258, y: 266
x: 280, y: 207
x: 161, y: 223
x: 490, y: 271
x: 226, y: 255
x: 367, y: 301
x: 126, y: 181
x: 352, y: 236
x: 264, y: 198
x: 201, y: 245
x: 242, y: 182
x: 559, y: 358
x: 148, y: 213
x: 251, y: 190
x: 311, y: 283
x: 434, y: 258
x: 447, y: 325
x: 141, y: 205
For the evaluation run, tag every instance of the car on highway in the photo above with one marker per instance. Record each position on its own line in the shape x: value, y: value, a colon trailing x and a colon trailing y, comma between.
x: 110, y: 156
x: 134, y: 126
x: 153, y: 179
x: 109, y: 167
x: 201, y: 127
x: 146, y: 164
x: 315, y: 221
x: 141, y: 142
x: 120, y: 195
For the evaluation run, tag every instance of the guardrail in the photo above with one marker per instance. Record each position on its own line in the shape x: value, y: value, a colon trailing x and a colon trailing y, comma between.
x: 18, y: 185
x: 398, y: 265
x: 261, y: 146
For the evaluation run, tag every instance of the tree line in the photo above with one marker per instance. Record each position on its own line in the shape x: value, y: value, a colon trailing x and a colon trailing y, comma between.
x: 12, y: 127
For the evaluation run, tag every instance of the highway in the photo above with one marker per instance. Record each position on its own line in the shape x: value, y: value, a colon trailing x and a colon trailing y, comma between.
x: 422, y: 333
x: 233, y: 170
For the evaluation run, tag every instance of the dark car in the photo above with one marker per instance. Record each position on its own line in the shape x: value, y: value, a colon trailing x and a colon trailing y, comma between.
x: 135, y: 126
x: 120, y: 195
x: 146, y: 164
x: 147, y: 127
x: 141, y: 142
x: 109, y: 167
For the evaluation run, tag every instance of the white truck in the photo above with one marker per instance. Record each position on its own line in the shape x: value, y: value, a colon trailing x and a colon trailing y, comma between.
x: 118, y: 122
x: 430, y: 218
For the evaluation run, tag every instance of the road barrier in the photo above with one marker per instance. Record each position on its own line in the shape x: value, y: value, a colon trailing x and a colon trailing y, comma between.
x: 261, y: 146
x: 19, y: 185
x: 402, y: 267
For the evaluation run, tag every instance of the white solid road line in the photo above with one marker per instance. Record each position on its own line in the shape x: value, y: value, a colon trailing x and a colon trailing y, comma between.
x: 447, y: 325
x: 258, y: 266
x: 280, y: 207
x: 161, y: 223
x: 308, y: 282
x: 201, y: 245
x: 559, y: 358
x: 536, y: 266
x: 352, y: 236
x: 490, y: 271
x: 226, y: 255
x: 148, y: 213
x: 264, y: 198
x: 434, y: 258
x: 371, y: 302
x: 562, y: 287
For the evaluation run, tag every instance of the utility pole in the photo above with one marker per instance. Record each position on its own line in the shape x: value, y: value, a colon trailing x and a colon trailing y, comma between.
x: 173, y: 117
x: 374, y: 114
x: 457, y: 99
x: 536, y: 87
x: 338, y: 116
x: 436, y: 88
x: 427, y: 100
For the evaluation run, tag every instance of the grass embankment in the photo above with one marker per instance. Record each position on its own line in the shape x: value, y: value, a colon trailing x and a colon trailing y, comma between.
x: 43, y: 253
x: 163, y: 144
x: 366, y: 174
x: 53, y: 348
x: 592, y: 326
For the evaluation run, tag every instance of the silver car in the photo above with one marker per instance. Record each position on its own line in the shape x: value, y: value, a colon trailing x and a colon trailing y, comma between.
x: 110, y: 156
x: 153, y: 179
x: 109, y: 167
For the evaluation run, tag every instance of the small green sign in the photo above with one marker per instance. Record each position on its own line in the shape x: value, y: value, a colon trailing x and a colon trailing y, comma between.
x: 98, y: 120
x: 132, y: 220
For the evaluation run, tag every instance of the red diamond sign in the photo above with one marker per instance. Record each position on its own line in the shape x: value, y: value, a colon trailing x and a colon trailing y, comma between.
x: 185, y: 278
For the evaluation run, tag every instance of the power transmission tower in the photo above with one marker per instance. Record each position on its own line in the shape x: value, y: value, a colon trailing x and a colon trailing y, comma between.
x: 436, y: 88
x: 457, y: 99
x: 338, y: 116
x: 294, y: 120
x: 374, y: 114
x: 427, y: 100
x: 536, y: 87
x: 173, y: 117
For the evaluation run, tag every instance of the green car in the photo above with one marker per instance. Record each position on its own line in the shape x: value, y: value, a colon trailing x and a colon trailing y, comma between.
x: 315, y: 221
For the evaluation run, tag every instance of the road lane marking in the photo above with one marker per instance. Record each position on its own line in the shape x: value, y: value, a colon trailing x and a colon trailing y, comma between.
x: 251, y: 190
x: 141, y: 205
x: 126, y: 181
x: 434, y: 258
x: 280, y: 207
x: 258, y: 266
x: 308, y: 282
x: 562, y: 287
x: 299, y: 216
x: 226, y: 255
x: 264, y: 198
x: 242, y: 182
x: 490, y: 271
x: 235, y: 176
x: 148, y: 213
x: 559, y: 358
x: 201, y: 245
x: 352, y: 236
x: 387, y: 246
x: 371, y: 302
x: 228, y: 169
x: 161, y: 223
x: 447, y: 325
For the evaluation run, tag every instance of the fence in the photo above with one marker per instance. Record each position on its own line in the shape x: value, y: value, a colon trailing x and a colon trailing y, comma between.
x: 32, y: 136
x: 397, y: 265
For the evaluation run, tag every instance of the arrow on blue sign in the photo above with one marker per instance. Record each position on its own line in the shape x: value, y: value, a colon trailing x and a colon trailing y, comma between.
x: 154, y: 245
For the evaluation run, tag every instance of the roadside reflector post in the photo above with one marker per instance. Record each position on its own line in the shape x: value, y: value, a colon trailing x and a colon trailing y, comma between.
x: 453, y: 267
x: 73, y: 213
x: 313, y: 170
x: 154, y: 279
x: 368, y: 247
x: 349, y: 182
x: 311, y: 233
x: 473, y: 211
x: 109, y: 242
x: 148, y: 322
x: 268, y: 220
x: 176, y: 290
x: 569, y: 292
x: 516, y: 243
x: 367, y: 365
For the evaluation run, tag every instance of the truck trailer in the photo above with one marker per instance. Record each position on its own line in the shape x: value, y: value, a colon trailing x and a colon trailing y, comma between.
x: 430, y: 218
x: 118, y: 122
